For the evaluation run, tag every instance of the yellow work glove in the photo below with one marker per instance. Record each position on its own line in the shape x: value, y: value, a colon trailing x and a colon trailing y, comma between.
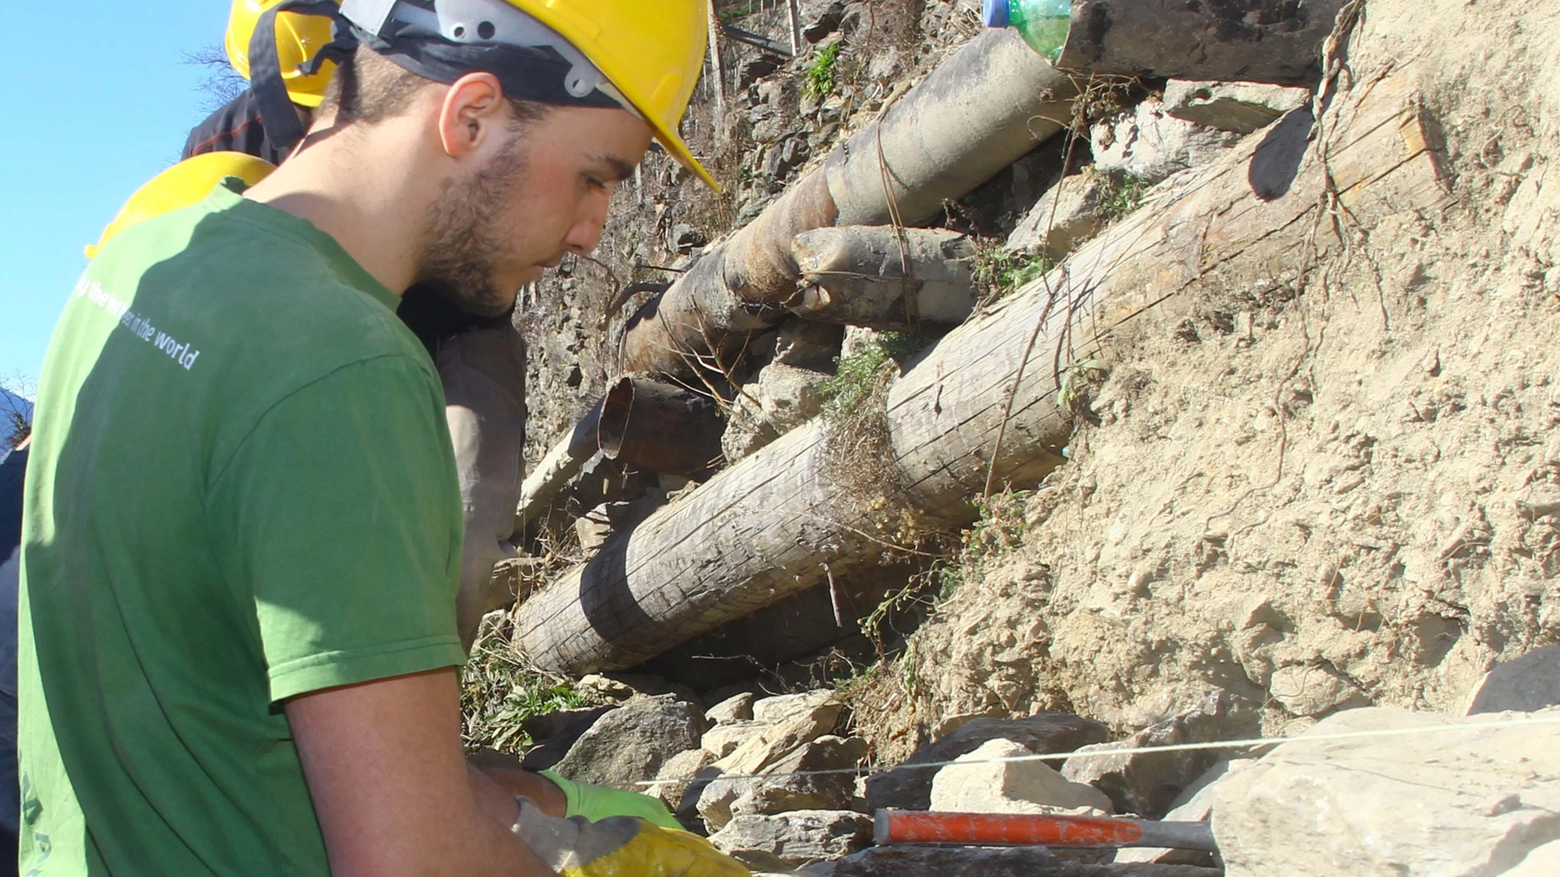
x: 599, y: 802
x: 619, y: 846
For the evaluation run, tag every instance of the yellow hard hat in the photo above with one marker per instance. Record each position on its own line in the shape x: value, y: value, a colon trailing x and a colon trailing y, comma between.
x: 650, y: 52
x: 298, y: 38
x: 186, y: 183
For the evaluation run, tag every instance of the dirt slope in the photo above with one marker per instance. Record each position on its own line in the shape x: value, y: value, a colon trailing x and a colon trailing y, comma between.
x: 1324, y: 483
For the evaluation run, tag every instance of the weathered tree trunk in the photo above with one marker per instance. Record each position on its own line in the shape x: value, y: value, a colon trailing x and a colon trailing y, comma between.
x: 660, y: 428
x: 885, y: 278
x: 561, y: 463
x: 1276, y: 41
x: 983, y: 109
x: 770, y: 525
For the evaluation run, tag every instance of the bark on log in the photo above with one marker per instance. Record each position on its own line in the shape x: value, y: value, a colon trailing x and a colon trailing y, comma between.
x: 856, y: 275
x: 983, y: 109
x: 762, y: 529
x: 1278, y: 41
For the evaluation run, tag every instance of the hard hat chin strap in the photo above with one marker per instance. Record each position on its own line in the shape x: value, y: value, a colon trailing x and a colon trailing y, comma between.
x: 277, y: 114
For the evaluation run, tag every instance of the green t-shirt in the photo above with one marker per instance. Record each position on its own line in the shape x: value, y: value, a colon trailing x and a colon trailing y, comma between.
x: 241, y: 489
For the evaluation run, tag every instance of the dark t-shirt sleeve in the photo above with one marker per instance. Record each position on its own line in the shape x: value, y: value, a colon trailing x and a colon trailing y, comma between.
x: 340, y: 517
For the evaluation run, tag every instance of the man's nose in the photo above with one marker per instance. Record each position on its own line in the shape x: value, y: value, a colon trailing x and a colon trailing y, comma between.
x: 585, y: 235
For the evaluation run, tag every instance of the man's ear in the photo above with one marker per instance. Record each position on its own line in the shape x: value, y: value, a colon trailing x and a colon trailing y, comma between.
x: 473, y: 110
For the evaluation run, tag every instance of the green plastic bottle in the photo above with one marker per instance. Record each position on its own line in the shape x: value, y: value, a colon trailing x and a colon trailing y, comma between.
x: 1042, y: 23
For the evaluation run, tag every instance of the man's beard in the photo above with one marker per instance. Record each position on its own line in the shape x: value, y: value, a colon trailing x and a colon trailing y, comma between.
x: 463, y: 239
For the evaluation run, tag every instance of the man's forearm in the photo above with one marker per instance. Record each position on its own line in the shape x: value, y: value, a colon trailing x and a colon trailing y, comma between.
x: 497, y: 787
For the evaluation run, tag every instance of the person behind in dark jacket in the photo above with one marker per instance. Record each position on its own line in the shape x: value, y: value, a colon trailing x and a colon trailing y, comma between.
x: 11, y: 472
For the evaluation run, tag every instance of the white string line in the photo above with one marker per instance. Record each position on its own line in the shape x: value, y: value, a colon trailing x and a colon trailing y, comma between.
x: 1422, y: 730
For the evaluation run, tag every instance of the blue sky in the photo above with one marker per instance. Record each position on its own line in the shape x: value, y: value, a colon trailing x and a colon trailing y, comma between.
x: 98, y: 99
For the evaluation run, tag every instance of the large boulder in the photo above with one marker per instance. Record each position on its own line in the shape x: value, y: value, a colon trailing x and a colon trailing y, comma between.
x: 1147, y: 783
x: 737, y: 708
x: 1452, y: 803
x: 817, y: 776
x: 908, y: 787
x: 987, y: 781
x: 723, y: 799
x: 631, y: 743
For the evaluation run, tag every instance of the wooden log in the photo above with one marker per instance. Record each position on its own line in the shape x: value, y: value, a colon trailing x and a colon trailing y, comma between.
x: 660, y: 428
x: 1277, y: 41
x: 885, y: 278
x: 985, y: 107
x: 764, y: 528
x: 561, y: 463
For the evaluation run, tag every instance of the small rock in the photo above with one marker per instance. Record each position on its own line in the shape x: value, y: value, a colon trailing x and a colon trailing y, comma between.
x: 605, y: 687
x: 809, y: 345
x: 1148, y: 783
x: 631, y: 743
x: 756, y: 69
x: 737, y: 708
x: 819, y: 18
x: 775, y: 741
x: 559, y: 723
x: 685, y: 238
x: 724, y: 739
x: 1526, y: 684
x: 909, y: 788
x: 680, y: 782
x: 791, y: 840
x: 593, y: 528
x: 626, y: 686
x: 773, y: 129
x: 1241, y: 107
x: 1063, y: 219
x: 1454, y: 803
x: 1313, y: 691
x: 782, y: 398
x: 985, y: 785
x: 773, y: 710
x: 1147, y: 144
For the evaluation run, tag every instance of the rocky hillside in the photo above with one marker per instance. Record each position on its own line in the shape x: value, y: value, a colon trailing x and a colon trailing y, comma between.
x: 1297, y: 349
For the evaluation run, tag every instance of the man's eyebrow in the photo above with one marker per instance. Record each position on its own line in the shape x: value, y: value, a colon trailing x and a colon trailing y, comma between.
x: 621, y: 168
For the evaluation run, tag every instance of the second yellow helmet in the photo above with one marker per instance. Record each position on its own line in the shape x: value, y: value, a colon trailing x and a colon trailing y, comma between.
x: 184, y: 184
x: 299, y: 38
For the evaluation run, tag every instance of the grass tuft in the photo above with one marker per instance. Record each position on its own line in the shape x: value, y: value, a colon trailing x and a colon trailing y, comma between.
x: 822, y: 76
x: 499, y: 690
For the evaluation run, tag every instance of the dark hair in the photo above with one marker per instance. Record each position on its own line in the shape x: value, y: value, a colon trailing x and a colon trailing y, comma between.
x: 370, y: 88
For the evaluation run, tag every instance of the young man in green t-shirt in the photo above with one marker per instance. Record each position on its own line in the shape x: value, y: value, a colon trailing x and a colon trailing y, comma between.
x: 242, y: 535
